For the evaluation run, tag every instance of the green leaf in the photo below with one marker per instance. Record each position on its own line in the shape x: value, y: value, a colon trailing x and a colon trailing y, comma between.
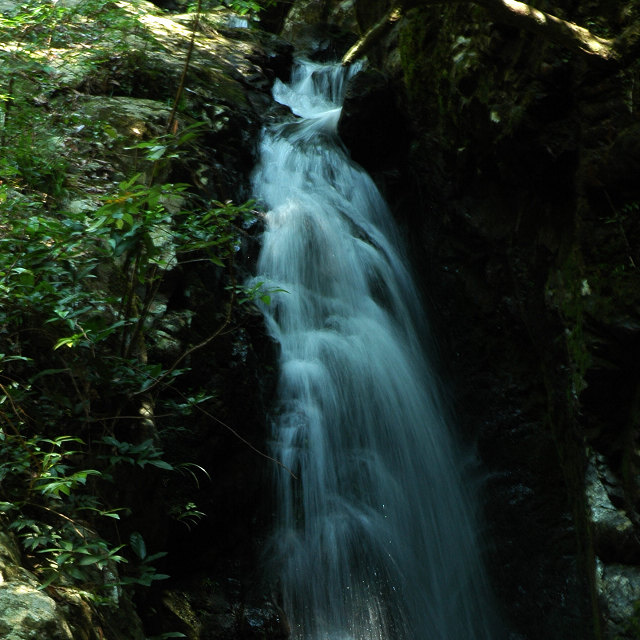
x: 155, y: 556
x: 77, y: 573
x: 88, y: 560
x: 138, y: 545
x: 160, y: 576
x: 52, y: 577
x: 124, y: 186
x: 47, y: 372
x: 96, y: 224
x: 81, y: 476
x: 161, y: 464
x: 156, y: 152
x: 26, y: 277
x: 110, y: 131
x: 113, y: 513
x: 69, y: 341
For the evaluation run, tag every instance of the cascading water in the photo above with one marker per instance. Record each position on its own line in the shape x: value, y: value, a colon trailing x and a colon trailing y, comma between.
x: 376, y: 537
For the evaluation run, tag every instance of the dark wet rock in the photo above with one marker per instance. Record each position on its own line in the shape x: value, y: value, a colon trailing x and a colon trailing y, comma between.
x: 321, y: 30
x: 619, y: 588
x: 615, y: 538
x: 219, y: 610
x: 323, y: 42
x: 371, y: 124
x: 25, y: 611
x: 623, y: 163
x: 28, y: 612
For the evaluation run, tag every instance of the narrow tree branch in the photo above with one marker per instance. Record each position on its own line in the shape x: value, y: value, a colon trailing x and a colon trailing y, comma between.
x: 379, y: 30
x: 171, y: 123
x: 245, y: 441
x: 562, y: 32
x: 225, y: 323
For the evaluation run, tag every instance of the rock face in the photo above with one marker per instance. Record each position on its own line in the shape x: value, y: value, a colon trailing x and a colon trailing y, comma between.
x: 523, y: 214
x: 370, y: 105
x: 320, y: 29
x: 25, y: 612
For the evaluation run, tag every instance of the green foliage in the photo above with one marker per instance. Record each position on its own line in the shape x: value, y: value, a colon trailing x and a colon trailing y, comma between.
x: 78, y: 289
x: 41, y: 496
x: 71, y: 358
x: 189, y: 515
x: 243, y: 7
x: 140, y: 454
x: 54, y: 299
x: 145, y: 573
x: 255, y: 292
x: 44, y: 499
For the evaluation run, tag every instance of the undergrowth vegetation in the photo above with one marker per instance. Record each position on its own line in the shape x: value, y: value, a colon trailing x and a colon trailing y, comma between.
x: 79, y: 291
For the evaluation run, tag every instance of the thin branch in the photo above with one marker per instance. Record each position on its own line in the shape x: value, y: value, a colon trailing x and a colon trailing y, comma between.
x: 254, y: 449
x: 200, y: 345
x: 152, y: 284
x: 236, y: 434
x: 210, y: 415
x: 171, y: 123
x: 16, y: 410
x: 73, y: 523
x: 161, y: 379
x: 378, y: 31
x: 562, y: 32
x: 133, y: 417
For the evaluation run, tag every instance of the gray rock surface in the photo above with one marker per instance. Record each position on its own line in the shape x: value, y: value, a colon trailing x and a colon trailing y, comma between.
x: 26, y: 613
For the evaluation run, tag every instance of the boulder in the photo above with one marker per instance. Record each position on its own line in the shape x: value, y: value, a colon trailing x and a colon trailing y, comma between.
x: 26, y: 613
x: 619, y: 589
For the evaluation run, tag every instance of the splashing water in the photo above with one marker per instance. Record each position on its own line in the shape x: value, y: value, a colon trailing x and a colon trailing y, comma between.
x: 377, y: 534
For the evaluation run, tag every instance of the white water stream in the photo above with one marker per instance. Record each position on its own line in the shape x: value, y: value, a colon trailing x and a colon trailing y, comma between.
x: 377, y: 534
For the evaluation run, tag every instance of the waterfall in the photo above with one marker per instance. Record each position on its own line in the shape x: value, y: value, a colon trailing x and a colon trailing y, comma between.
x: 377, y: 535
